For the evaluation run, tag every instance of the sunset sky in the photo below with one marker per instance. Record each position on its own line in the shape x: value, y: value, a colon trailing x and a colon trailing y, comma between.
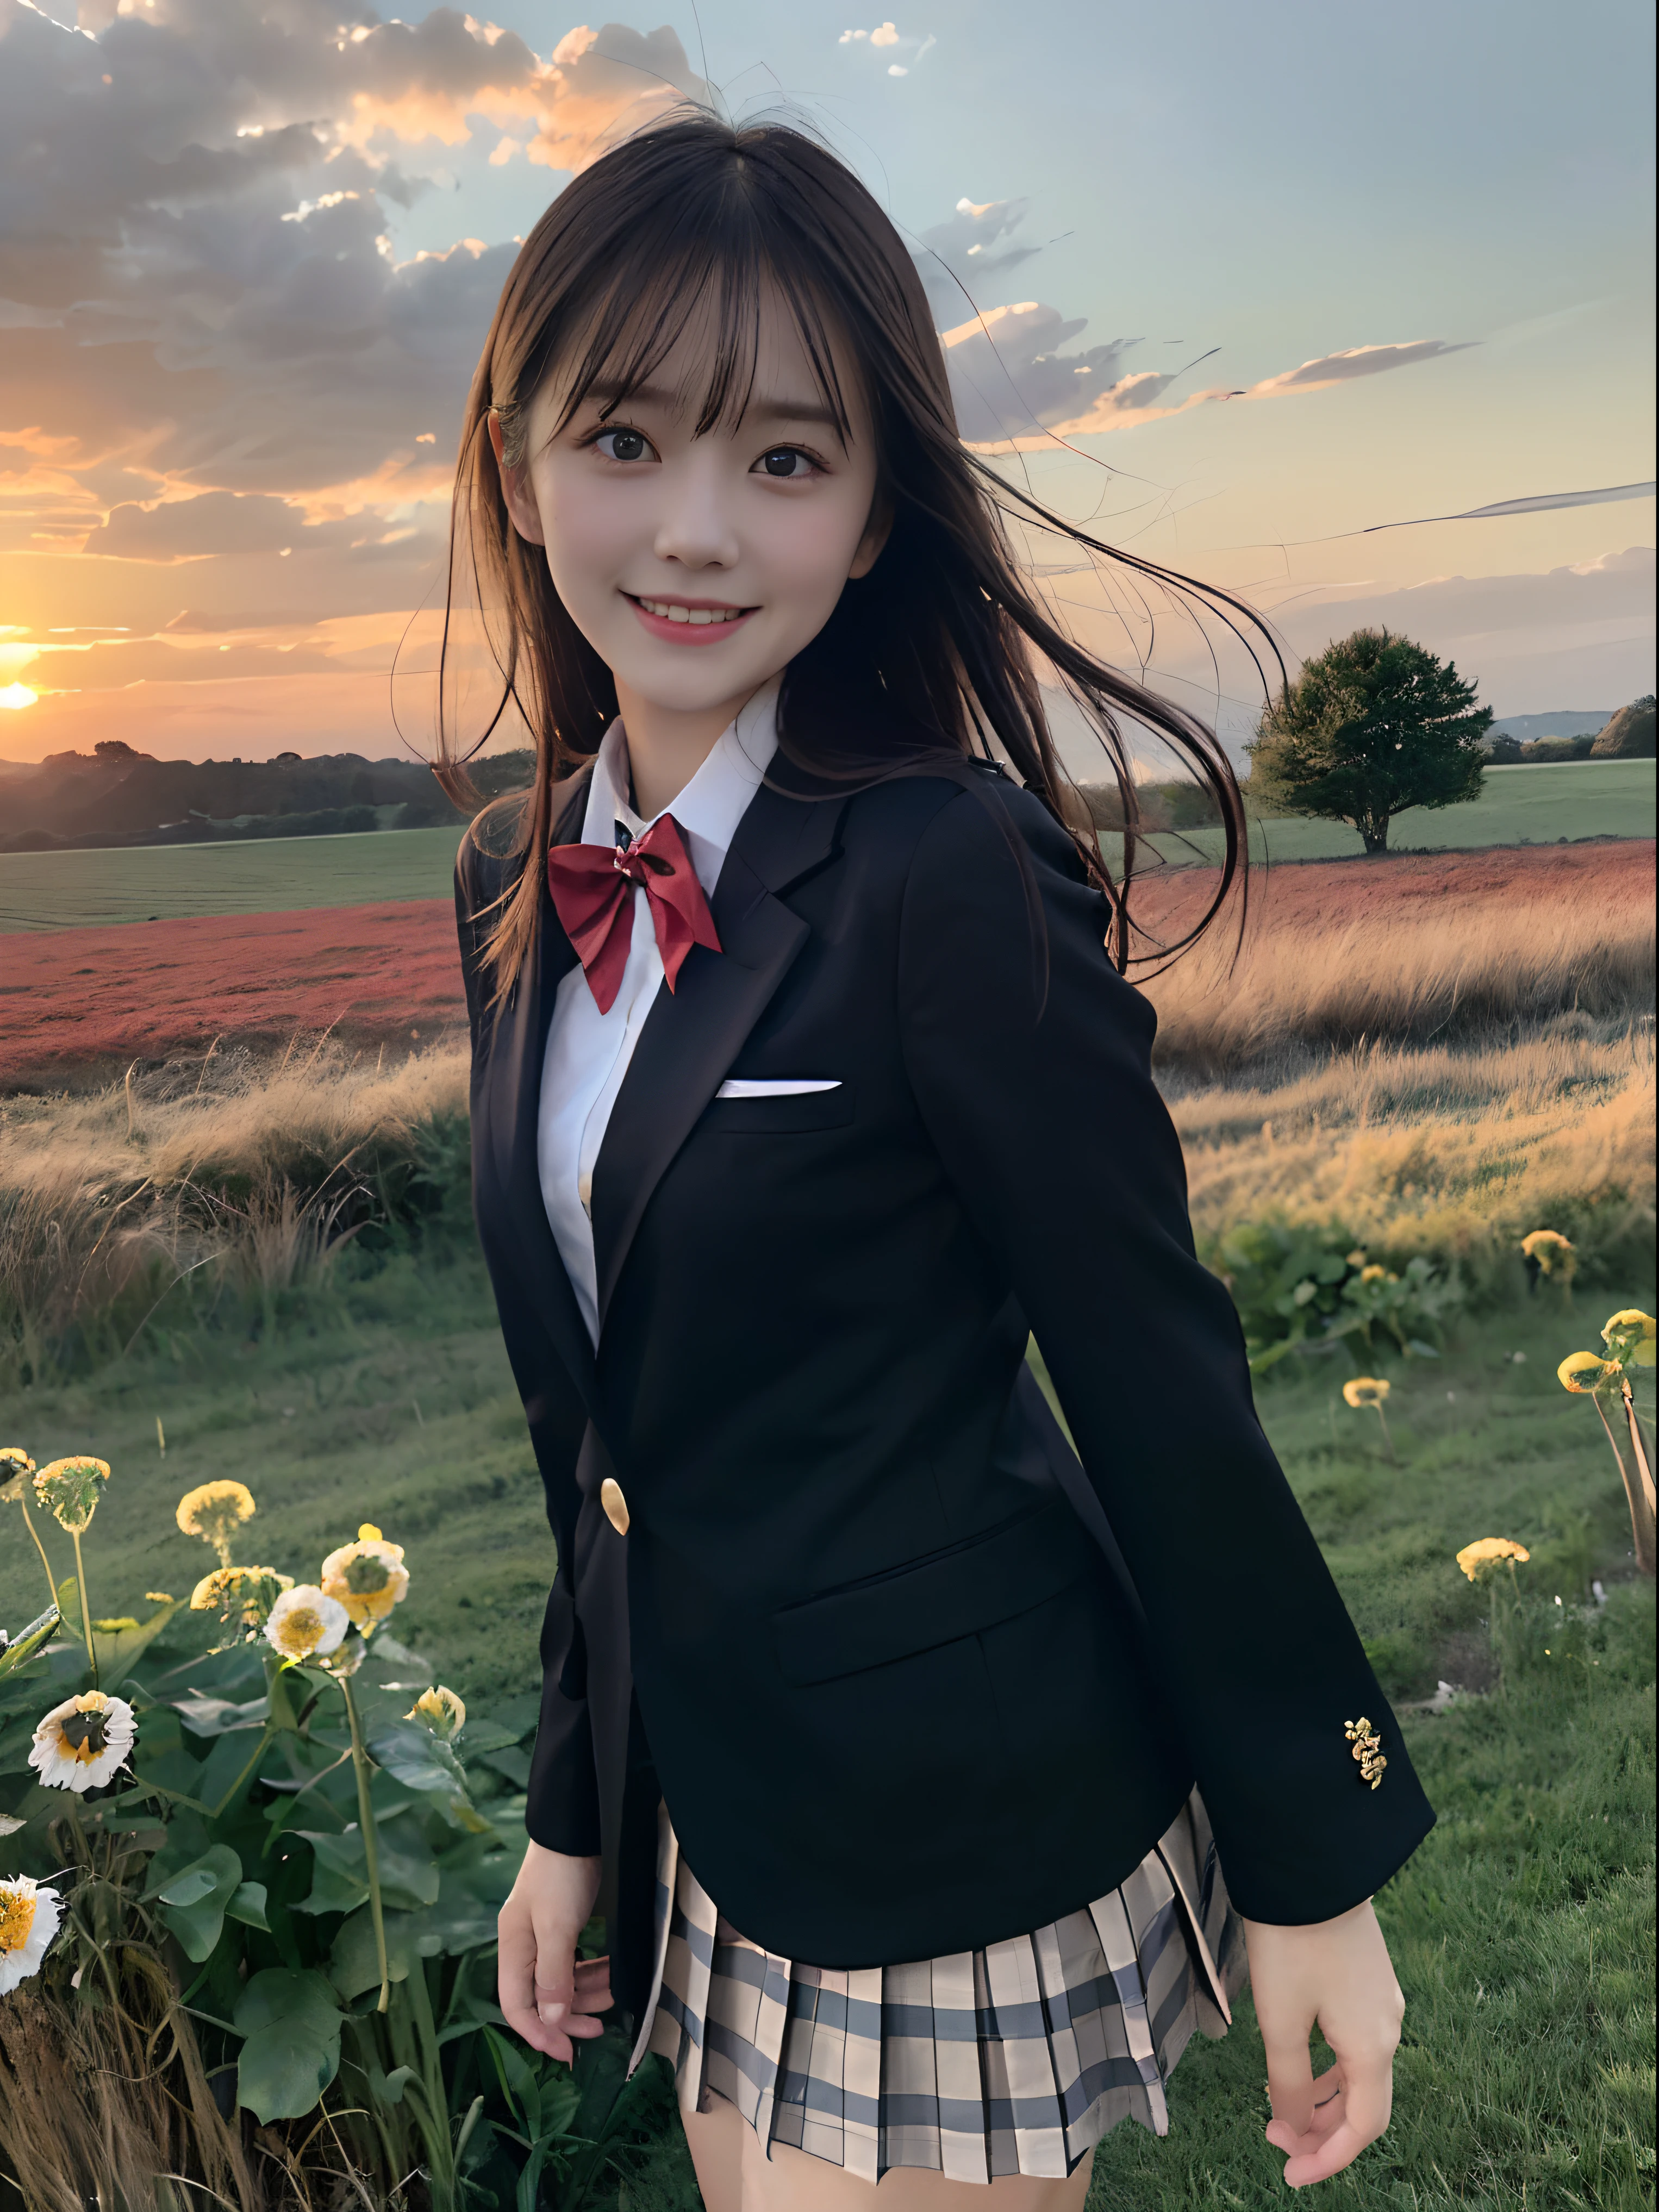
x: 1276, y: 275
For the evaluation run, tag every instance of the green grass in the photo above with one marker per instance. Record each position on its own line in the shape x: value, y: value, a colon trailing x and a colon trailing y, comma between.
x: 254, y: 875
x: 1522, y: 1929
x: 1524, y: 805
x: 157, y: 883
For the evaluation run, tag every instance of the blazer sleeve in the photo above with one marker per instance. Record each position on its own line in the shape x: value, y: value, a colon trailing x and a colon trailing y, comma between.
x: 1036, y: 1089
x: 563, y: 1805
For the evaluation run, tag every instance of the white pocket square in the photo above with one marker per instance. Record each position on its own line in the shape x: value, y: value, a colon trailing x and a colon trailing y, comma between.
x: 782, y: 1086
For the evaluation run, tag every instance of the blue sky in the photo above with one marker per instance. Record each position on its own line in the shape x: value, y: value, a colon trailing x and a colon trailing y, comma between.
x: 1455, y: 200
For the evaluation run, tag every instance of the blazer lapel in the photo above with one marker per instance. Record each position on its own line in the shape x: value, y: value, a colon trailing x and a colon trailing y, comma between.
x: 692, y: 1034
x: 517, y: 1055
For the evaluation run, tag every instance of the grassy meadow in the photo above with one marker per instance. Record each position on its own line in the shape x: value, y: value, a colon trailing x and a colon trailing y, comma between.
x: 1548, y: 803
x: 264, y: 1269
x: 253, y: 875
x: 1541, y: 805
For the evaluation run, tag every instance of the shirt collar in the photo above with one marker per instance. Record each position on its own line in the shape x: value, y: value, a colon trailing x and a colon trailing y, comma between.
x: 715, y: 801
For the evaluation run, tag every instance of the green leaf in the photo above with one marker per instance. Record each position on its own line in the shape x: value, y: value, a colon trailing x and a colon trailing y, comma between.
x: 408, y: 1878
x: 512, y: 1761
x: 27, y: 1641
x: 354, y: 1965
x: 469, y: 1900
x: 247, y: 1904
x: 413, y: 1756
x: 118, y: 1654
x: 480, y: 1736
x: 292, y: 2023
x: 388, y: 2088
x: 194, y: 1901
x: 214, y: 1716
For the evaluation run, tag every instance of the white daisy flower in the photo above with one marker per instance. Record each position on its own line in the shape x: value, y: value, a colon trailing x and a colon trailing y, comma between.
x: 29, y: 1914
x: 80, y: 1744
x: 304, y: 1624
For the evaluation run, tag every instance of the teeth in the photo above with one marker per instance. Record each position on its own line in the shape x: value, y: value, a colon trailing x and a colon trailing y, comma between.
x: 671, y: 610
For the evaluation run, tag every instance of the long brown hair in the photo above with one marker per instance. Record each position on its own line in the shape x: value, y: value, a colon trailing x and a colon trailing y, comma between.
x: 925, y: 661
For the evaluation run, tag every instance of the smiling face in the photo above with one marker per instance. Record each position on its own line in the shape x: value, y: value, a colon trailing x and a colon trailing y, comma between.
x: 697, y: 566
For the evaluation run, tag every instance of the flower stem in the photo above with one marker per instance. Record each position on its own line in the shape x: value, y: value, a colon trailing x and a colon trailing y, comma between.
x: 51, y: 1583
x: 86, y: 1610
x: 1388, y: 1441
x: 371, y: 1841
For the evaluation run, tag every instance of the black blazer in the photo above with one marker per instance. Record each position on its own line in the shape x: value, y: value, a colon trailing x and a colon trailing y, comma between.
x: 908, y: 1680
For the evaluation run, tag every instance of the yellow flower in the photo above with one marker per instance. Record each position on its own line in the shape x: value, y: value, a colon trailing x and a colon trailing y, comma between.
x: 158, y: 1597
x: 1630, y: 1335
x: 1373, y: 1273
x: 214, y: 1512
x: 306, y: 1624
x: 368, y: 1578
x: 1355, y: 1259
x: 247, y: 1592
x: 1580, y: 1371
x: 1474, y: 1558
x: 16, y: 1466
x: 70, y: 1490
x: 444, y: 1713
x: 1366, y: 1390
x: 1551, y: 1250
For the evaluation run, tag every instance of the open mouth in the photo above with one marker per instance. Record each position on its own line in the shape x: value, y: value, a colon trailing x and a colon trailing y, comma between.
x: 703, y: 620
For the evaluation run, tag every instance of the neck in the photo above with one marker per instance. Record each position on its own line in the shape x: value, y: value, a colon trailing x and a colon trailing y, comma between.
x: 666, y: 745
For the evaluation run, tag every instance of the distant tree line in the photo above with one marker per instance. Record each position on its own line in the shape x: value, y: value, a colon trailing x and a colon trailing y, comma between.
x: 1628, y: 736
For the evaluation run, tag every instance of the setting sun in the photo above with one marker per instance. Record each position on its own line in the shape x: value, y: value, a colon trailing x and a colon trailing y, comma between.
x: 17, y: 694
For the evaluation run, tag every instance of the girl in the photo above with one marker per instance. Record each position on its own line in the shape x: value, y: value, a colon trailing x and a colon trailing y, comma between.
x: 920, y: 1771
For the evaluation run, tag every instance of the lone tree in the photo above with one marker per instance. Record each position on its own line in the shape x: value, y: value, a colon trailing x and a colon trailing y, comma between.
x: 1376, y: 725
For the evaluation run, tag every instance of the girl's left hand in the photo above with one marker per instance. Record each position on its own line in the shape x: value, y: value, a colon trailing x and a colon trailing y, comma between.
x: 1337, y: 1972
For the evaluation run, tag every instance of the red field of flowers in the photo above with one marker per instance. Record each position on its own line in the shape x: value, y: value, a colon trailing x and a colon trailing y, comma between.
x: 80, y: 1002
x: 77, y: 999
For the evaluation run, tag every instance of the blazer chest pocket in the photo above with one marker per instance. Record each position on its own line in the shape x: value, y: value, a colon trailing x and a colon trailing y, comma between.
x: 948, y: 1595
x: 781, y: 1113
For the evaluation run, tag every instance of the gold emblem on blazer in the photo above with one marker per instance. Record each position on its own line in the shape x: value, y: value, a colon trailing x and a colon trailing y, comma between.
x: 615, y: 1509
x: 1367, y: 1749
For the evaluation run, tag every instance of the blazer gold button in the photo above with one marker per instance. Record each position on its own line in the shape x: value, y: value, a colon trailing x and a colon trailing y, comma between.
x: 615, y: 1504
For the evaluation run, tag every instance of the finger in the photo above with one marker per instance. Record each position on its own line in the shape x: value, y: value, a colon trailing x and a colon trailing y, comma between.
x: 592, y: 1985
x: 1366, y: 2104
x: 1290, y: 2080
x: 1368, y: 2086
x: 1339, y: 2148
x: 1329, y: 2114
x: 515, y: 1976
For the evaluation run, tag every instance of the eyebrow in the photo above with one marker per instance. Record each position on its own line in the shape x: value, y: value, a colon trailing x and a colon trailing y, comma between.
x: 608, y: 391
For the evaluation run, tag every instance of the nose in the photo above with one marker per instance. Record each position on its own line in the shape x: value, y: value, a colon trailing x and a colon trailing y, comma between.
x: 695, y: 527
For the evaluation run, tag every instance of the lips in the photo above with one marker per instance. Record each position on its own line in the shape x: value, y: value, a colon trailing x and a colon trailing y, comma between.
x: 689, y: 622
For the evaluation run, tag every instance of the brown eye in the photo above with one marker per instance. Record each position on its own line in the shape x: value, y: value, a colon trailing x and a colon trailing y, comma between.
x: 786, y: 461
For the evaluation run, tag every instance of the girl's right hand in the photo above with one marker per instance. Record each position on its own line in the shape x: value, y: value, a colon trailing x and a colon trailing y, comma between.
x: 547, y: 1997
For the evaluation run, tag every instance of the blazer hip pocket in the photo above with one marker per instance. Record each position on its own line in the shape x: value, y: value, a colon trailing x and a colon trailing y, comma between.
x: 935, y: 1601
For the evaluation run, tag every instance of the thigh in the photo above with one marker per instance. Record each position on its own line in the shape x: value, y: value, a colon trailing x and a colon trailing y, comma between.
x: 735, y: 2175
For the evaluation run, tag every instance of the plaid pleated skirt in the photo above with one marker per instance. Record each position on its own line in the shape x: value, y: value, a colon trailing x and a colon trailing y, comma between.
x: 1014, y: 2059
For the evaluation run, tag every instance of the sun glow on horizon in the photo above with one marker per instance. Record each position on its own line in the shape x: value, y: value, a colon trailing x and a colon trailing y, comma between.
x: 17, y: 694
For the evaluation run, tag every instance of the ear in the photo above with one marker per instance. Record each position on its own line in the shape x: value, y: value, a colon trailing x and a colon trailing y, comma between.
x: 876, y: 532
x: 516, y: 490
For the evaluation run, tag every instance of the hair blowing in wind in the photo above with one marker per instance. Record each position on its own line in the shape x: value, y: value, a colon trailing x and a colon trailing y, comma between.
x: 932, y: 657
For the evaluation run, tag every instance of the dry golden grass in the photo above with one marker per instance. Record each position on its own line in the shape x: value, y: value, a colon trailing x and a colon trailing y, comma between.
x: 1442, y: 1053
x: 1445, y: 1152
x: 248, y: 1171
x: 1335, y: 955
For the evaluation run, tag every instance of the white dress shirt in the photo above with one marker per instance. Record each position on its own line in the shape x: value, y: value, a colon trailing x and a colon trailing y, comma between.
x: 589, y: 1051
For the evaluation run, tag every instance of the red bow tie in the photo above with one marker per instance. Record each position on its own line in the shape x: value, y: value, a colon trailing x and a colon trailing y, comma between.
x: 592, y: 893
